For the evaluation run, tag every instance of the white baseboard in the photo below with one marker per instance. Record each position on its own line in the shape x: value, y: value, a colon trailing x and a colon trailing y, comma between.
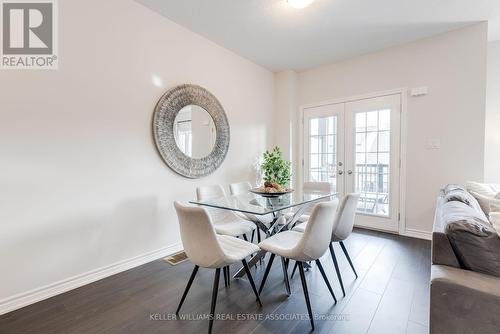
x: 30, y: 297
x: 409, y: 232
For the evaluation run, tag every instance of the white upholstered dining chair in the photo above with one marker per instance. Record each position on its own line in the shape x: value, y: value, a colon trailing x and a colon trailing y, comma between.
x: 303, y: 247
x: 206, y: 249
x: 342, y: 229
x: 242, y: 188
x: 312, y: 187
x: 225, y: 222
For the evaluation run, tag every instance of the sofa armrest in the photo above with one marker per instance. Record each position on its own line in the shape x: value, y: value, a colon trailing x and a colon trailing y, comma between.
x: 463, y: 301
x: 442, y: 252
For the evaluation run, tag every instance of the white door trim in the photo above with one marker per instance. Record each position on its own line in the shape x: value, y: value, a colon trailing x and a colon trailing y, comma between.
x: 403, y: 142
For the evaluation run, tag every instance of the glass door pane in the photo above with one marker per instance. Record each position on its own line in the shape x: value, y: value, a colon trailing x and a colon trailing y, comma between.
x: 324, y: 145
x: 323, y: 149
x: 372, y: 160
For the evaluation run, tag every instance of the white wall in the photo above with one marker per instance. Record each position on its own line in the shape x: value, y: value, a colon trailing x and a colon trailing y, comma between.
x: 492, y: 146
x: 285, y: 118
x: 81, y: 184
x: 453, y: 67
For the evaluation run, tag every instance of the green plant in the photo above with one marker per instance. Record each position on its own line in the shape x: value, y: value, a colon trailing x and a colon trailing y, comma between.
x: 275, y: 168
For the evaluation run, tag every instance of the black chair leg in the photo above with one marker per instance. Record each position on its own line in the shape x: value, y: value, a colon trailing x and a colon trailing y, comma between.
x: 294, y: 268
x: 306, y: 293
x: 266, y: 273
x: 225, y: 276
x: 188, y: 286
x: 337, y: 269
x: 322, y: 271
x: 348, y: 258
x: 258, y: 241
x: 214, y: 299
x: 307, y: 265
x: 285, y: 276
x: 250, y: 278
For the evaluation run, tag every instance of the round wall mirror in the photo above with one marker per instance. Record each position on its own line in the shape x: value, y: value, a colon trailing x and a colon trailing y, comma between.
x: 194, y: 131
x: 191, y: 130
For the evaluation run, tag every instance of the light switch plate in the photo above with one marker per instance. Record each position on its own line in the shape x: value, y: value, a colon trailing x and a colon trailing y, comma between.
x: 419, y: 91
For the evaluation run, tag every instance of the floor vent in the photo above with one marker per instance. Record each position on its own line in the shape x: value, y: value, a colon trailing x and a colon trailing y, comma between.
x: 176, y: 258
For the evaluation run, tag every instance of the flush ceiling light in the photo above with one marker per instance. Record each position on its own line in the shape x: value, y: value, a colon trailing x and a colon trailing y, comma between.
x: 299, y: 3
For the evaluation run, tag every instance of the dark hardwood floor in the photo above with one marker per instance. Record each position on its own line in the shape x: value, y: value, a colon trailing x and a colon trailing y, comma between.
x: 391, y: 295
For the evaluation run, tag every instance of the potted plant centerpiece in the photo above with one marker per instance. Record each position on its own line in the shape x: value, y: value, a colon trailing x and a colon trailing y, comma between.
x: 277, y: 174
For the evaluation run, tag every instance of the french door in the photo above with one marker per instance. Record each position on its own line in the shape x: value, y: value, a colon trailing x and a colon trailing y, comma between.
x: 355, y: 146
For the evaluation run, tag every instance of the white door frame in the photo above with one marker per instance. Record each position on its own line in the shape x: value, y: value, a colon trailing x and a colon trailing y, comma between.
x: 402, y: 153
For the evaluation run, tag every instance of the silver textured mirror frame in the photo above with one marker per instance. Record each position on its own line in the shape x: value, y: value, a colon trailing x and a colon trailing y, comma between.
x: 165, y: 112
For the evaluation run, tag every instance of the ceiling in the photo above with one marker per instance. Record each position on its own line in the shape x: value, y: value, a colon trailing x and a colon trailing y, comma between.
x: 277, y: 36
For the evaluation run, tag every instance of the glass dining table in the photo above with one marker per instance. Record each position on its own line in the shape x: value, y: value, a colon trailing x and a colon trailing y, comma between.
x: 271, y: 214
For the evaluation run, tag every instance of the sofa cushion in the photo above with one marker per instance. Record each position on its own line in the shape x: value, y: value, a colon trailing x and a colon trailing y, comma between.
x: 457, y: 193
x: 441, y: 250
x: 484, y: 189
x: 495, y: 214
x: 495, y: 221
x: 463, y: 302
x: 451, y: 186
x: 484, y: 201
x: 474, y: 241
x: 457, y: 210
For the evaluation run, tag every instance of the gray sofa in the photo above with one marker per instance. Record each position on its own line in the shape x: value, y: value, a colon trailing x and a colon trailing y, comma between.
x: 462, y: 301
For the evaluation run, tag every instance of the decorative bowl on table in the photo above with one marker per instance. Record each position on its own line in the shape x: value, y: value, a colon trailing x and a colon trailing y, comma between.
x: 271, y: 190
